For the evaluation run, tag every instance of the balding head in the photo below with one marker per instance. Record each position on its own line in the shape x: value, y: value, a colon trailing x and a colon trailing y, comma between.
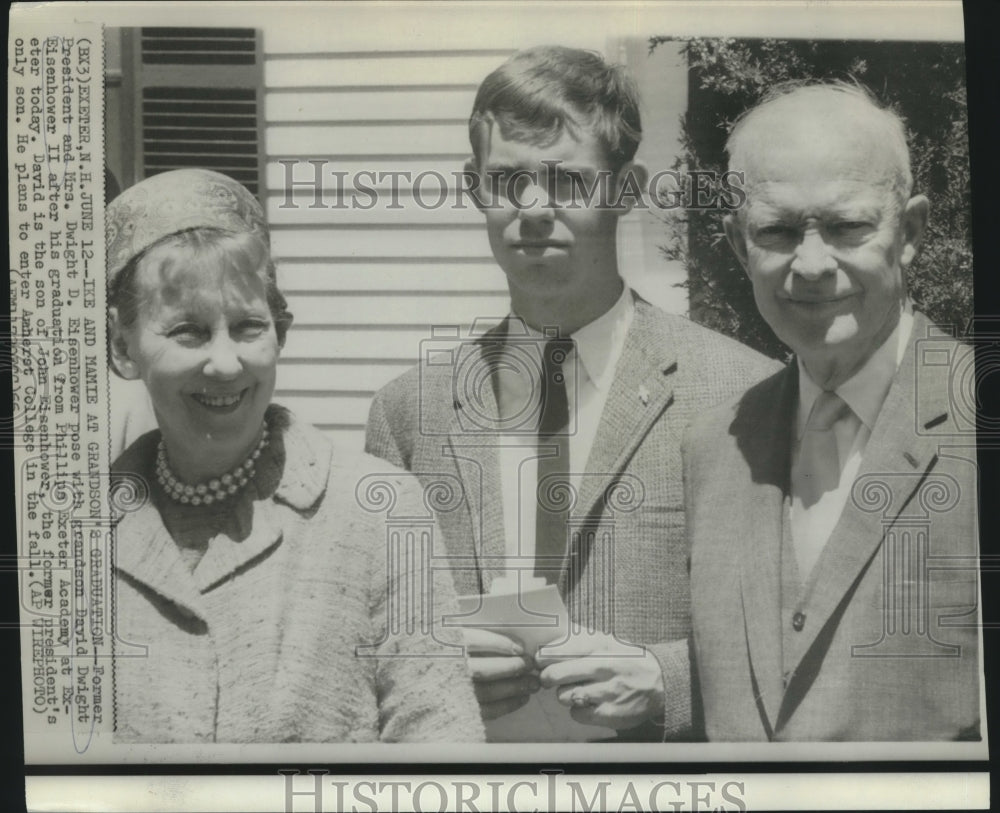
x: 828, y: 227
x: 834, y: 118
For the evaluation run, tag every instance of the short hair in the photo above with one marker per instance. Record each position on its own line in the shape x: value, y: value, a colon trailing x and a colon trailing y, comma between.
x: 887, y: 123
x: 202, y: 247
x: 540, y: 91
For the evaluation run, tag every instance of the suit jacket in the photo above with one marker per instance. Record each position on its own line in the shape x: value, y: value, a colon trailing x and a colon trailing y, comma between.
x: 881, y: 643
x: 626, y: 571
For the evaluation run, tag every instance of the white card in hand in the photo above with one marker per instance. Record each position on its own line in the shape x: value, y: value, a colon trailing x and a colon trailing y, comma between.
x: 524, y: 608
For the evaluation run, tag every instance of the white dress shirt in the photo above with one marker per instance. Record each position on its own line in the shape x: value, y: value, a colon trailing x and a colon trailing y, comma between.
x: 864, y: 393
x: 589, y: 371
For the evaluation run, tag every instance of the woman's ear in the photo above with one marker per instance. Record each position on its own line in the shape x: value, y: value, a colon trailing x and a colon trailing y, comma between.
x: 281, y: 325
x: 118, y: 344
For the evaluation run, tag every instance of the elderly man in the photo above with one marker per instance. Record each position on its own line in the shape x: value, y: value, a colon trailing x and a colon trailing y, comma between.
x: 833, y: 531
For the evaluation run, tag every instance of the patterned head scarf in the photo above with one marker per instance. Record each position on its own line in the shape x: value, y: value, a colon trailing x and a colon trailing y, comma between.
x: 173, y: 202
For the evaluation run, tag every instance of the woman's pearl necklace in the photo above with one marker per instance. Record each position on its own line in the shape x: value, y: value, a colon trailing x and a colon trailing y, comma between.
x: 216, y: 489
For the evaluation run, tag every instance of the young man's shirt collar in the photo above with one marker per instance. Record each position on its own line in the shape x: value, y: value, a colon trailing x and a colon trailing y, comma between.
x: 598, y: 344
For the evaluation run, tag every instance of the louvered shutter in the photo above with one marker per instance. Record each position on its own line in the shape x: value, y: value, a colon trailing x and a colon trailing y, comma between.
x: 196, y: 101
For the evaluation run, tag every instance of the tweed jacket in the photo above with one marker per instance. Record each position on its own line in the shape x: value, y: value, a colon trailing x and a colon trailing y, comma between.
x: 271, y: 637
x: 626, y: 572
x: 881, y: 642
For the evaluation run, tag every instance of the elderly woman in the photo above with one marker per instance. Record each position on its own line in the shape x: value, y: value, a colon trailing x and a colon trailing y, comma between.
x: 253, y: 594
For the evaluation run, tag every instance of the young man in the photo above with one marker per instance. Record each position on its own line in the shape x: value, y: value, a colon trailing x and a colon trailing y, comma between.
x: 554, y: 132
x: 834, y: 595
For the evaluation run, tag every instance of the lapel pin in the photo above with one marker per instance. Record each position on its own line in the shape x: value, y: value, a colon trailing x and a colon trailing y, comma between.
x: 644, y: 396
x: 936, y: 421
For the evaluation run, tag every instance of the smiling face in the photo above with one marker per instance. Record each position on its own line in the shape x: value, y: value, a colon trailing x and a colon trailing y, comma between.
x: 825, y: 239
x: 205, y: 345
x: 559, y: 256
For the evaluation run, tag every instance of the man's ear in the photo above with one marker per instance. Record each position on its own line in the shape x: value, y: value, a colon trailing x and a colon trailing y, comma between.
x: 118, y: 345
x: 475, y: 179
x: 630, y: 184
x: 913, y: 223
x: 737, y: 239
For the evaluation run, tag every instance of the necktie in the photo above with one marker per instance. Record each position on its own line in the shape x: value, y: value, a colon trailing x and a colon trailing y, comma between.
x: 553, y: 463
x: 815, y: 481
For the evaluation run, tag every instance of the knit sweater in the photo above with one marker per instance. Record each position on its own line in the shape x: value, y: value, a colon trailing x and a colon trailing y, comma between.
x: 288, y: 627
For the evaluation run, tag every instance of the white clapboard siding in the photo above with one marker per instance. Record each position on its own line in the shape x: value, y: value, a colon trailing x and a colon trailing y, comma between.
x: 379, y: 210
x: 356, y: 241
x: 371, y: 342
x: 334, y: 395
x: 422, y: 69
x: 307, y: 275
x: 334, y: 376
x: 319, y: 106
x: 299, y: 178
x: 372, y: 30
x: 358, y: 278
x: 319, y: 140
x: 331, y: 410
x: 319, y: 309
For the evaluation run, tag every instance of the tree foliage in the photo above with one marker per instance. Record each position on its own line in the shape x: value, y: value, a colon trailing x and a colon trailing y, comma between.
x: 922, y: 82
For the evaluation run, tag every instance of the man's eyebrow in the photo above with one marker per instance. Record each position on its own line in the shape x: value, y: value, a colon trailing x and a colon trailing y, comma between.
x: 863, y: 209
